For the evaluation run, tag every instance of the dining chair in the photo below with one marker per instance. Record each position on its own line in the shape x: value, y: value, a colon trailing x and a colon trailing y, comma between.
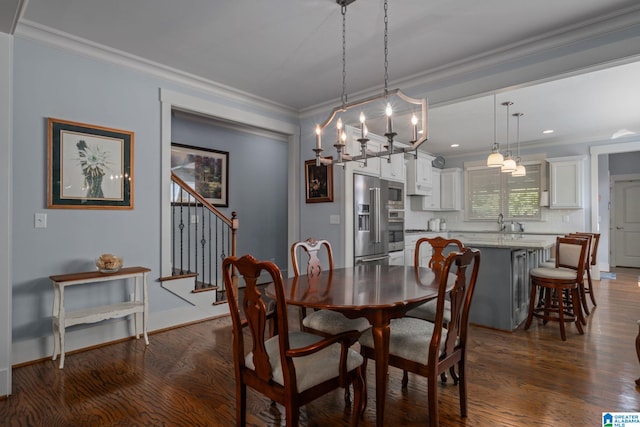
x: 427, y: 311
x: 550, y: 285
x: 291, y: 368
x: 322, y: 322
x: 593, y: 249
x: 428, y: 348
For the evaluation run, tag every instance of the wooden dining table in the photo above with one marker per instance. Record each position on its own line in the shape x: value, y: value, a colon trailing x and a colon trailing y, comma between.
x: 378, y: 293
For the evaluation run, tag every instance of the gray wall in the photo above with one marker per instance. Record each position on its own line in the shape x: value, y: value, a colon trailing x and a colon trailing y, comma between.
x: 624, y: 163
x: 257, y: 183
x: 52, y: 82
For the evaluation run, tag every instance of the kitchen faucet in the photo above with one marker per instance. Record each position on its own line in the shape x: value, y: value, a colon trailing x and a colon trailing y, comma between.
x: 501, y: 222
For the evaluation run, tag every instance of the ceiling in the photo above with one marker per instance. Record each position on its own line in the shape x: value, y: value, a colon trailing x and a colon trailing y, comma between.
x: 289, y: 53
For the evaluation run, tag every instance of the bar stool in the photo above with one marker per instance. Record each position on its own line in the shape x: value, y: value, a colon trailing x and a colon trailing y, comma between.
x: 559, y: 298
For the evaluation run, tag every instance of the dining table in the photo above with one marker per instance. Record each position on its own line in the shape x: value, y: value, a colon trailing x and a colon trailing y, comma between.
x: 378, y: 293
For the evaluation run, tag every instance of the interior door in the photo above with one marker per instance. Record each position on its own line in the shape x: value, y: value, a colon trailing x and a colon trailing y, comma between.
x: 626, y: 223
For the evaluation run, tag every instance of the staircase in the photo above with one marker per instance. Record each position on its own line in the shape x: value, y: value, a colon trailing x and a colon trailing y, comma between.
x: 202, y: 237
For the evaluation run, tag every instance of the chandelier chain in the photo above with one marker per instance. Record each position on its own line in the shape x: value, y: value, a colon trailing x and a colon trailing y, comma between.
x: 386, y: 48
x: 344, y: 55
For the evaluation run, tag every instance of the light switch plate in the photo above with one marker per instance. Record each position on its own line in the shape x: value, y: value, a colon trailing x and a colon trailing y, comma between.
x: 40, y: 220
x: 334, y: 219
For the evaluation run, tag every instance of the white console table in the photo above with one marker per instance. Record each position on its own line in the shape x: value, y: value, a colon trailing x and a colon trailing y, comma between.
x: 62, y: 319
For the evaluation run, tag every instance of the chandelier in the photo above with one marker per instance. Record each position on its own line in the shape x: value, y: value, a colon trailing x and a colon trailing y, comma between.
x: 495, y: 159
x: 520, y: 168
x: 509, y: 164
x: 387, y: 100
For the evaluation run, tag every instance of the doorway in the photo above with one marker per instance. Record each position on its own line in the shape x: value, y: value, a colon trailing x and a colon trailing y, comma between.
x: 625, y: 222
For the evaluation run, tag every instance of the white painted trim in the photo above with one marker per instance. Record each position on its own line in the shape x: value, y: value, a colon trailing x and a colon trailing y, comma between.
x: 37, y: 32
x: 595, y: 151
x: 169, y: 100
x: 6, y: 191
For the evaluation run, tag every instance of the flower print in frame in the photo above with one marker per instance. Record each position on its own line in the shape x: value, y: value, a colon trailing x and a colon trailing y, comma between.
x: 89, y: 167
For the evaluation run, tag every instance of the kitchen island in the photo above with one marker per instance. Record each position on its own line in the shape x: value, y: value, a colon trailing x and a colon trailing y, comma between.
x: 501, y: 298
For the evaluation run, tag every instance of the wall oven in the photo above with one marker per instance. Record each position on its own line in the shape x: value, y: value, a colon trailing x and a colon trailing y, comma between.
x: 396, y: 230
x: 396, y: 195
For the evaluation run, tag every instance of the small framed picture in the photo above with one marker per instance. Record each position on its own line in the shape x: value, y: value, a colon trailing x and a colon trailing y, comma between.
x: 205, y: 170
x: 318, y: 181
x: 89, y: 166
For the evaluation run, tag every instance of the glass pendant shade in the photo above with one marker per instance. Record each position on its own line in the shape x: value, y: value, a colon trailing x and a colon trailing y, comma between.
x: 520, y: 171
x: 509, y: 165
x: 495, y: 159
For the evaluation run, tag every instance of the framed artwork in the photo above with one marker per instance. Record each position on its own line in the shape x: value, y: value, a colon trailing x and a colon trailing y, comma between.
x: 318, y: 181
x: 205, y: 170
x: 88, y: 166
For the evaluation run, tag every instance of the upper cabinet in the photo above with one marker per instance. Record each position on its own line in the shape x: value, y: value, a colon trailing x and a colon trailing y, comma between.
x: 446, y: 192
x: 566, y: 182
x: 419, y: 175
x: 451, y: 189
x: 393, y: 170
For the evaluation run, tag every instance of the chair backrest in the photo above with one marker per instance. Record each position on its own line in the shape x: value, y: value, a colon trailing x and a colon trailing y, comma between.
x: 312, y: 247
x: 460, y: 296
x: 438, y: 244
x: 590, y: 241
x: 571, y: 253
x: 252, y: 312
x: 593, y: 249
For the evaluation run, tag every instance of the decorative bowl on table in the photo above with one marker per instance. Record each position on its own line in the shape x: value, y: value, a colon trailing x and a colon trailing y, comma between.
x: 109, y: 263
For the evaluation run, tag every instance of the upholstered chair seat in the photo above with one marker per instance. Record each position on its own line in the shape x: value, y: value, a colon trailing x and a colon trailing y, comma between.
x: 332, y: 323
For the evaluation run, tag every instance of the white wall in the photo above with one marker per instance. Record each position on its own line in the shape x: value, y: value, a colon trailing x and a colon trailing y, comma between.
x: 6, y: 83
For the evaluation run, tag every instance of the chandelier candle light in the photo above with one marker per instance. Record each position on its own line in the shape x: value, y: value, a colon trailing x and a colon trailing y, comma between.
x: 388, y: 97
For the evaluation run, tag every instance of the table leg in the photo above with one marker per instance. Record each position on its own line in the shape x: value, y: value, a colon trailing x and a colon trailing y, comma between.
x: 56, y: 321
x: 381, y: 348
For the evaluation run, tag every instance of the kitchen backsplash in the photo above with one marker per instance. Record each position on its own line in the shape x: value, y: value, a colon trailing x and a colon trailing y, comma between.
x: 553, y: 221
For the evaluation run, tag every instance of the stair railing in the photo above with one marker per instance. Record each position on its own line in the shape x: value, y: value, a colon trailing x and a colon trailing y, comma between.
x: 202, y: 236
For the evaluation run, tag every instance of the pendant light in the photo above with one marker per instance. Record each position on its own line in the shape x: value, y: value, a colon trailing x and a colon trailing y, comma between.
x: 509, y: 164
x: 495, y: 159
x: 520, y: 169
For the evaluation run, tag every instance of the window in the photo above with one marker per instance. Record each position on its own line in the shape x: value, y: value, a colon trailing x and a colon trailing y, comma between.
x: 491, y: 192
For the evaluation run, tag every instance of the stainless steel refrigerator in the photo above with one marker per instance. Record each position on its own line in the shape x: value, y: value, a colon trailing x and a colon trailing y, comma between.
x: 371, y: 234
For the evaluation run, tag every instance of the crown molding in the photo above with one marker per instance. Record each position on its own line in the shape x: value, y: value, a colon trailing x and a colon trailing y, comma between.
x: 32, y: 31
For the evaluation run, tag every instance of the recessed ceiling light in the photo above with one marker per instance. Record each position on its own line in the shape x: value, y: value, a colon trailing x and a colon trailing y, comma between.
x: 548, y: 131
x: 455, y: 145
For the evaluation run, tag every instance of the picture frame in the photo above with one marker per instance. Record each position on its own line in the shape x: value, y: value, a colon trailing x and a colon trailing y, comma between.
x: 88, y: 166
x: 318, y: 182
x: 205, y: 170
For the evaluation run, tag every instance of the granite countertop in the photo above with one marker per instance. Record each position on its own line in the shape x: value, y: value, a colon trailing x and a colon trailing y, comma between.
x: 509, y: 243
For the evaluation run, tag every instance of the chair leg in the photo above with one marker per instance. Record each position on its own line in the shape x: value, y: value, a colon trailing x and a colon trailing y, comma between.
x: 347, y: 395
x: 532, y: 305
x: 462, y: 388
x: 563, y: 334
x: 405, y: 379
x: 583, y: 298
x: 241, y: 405
x: 432, y: 397
x: 363, y: 404
x: 359, y: 387
x: 591, y: 294
x: 293, y: 415
x: 577, y: 310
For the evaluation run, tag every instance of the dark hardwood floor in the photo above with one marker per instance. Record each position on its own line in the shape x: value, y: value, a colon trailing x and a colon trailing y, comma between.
x: 185, y: 378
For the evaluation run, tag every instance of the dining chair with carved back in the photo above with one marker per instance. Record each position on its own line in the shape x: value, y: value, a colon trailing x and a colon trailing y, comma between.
x: 428, y: 349
x: 321, y: 322
x: 291, y: 368
x: 427, y: 311
x: 549, y: 286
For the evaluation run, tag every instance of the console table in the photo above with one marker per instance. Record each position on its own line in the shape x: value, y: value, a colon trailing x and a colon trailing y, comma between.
x: 62, y: 319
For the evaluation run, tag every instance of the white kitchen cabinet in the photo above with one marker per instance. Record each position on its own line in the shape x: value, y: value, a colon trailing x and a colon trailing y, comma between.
x: 395, y: 169
x: 446, y: 193
x: 420, y: 175
x: 430, y: 202
x: 566, y: 182
x: 396, y: 258
x: 451, y: 189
